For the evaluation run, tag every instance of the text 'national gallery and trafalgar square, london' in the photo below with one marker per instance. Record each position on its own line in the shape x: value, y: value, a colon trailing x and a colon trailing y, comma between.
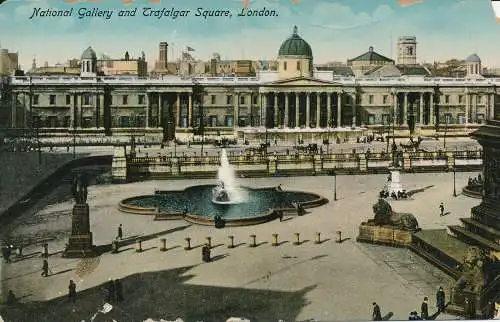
x: 291, y: 97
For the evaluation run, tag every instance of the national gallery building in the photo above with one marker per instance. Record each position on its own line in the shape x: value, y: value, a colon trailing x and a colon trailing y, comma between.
x: 372, y: 93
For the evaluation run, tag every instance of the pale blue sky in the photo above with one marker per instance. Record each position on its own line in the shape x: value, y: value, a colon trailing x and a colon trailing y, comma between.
x: 335, y: 29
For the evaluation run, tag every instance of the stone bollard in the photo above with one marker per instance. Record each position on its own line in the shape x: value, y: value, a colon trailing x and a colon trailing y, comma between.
x: 114, y: 246
x: 163, y: 244
x: 275, y: 240
x: 318, y: 238
x: 209, y: 242
x: 338, y: 236
x: 45, y: 250
x: 297, y: 237
x: 231, y: 242
x: 253, y: 242
x: 188, y: 243
x: 138, y: 246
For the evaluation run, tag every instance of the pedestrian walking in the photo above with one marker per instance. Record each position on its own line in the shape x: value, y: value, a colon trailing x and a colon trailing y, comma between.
x: 376, y: 315
x: 424, y: 310
x: 72, y: 291
x: 45, y: 268
x: 440, y: 299
x: 468, y: 310
x: 441, y: 208
x: 120, y: 232
x: 111, y: 291
x: 118, y: 291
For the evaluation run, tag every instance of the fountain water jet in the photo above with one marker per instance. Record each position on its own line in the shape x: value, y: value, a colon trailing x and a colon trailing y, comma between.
x: 227, y: 190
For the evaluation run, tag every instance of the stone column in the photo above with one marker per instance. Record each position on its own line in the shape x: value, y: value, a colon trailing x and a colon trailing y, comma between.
x: 236, y: 109
x: 474, y: 108
x: 405, y: 110
x: 318, y: 109
x: 286, y: 109
x: 102, y: 106
x: 395, y: 113
x: 297, y: 109
x: 275, y: 109
x: 14, y: 110
x: 339, y: 109
x: 97, y: 110
x: 491, y: 107
x: 467, y: 107
x: 147, y: 110
x: 178, y: 110
x: 25, y: 109
x: 354, y: 107
x: 421, y: 109
x: 190, y: 110
x: 308, y: 110
x: 263, y: 110
x: 328, y: 109
x: 160, y: 108
x: 79, y: 105
x: 432, y: 109
x: 72, y: 111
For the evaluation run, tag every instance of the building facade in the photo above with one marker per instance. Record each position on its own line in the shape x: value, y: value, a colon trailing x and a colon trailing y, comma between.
x: 293, y: 99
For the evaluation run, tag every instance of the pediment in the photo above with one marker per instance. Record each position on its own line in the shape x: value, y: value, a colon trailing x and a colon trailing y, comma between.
x: 303, y: 81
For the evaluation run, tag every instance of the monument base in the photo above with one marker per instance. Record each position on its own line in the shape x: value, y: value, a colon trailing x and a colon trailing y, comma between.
x: 383, y: 235
x: 80, y: 246
x: 478, y: 300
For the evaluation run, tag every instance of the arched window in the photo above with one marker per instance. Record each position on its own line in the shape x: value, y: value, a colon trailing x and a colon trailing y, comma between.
x: 284, y: 65
x: 298, y: 65
x: 410, y: 50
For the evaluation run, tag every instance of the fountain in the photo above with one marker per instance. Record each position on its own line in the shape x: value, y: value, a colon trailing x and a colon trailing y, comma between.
x: 227, y: 190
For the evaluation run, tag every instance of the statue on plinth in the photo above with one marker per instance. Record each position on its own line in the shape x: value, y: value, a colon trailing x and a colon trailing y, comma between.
x: 384, y: 215
x: 80, y: 241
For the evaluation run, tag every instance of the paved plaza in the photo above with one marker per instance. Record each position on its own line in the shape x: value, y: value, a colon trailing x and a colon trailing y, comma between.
x: 329, y: 281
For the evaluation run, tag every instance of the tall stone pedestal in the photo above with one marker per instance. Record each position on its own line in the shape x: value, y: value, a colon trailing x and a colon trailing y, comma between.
x: 80, y: 241
x: 394, y: 185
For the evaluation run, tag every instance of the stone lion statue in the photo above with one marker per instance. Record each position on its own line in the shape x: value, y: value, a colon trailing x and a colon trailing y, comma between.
x: 473, y: 277
x: 384, y: 215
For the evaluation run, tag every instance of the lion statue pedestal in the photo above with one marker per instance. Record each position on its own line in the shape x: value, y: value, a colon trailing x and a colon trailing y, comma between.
x: 388, y: 227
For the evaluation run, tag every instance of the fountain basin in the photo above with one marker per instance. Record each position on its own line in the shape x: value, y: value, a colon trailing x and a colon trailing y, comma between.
x: 194, y: 204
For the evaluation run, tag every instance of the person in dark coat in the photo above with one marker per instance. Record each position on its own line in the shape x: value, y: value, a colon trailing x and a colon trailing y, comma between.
x: 376, y: 315
x: 440, y: 299
x: 120, y: 232
x: 111, y: 290
x: 118, y: 291
x: 468, y: 311
x: 45, y: 268
x: 489, y: 313
x: 441, y: 209
x: 11, y: 298
x: 424, y: 310
x: 72, y: 291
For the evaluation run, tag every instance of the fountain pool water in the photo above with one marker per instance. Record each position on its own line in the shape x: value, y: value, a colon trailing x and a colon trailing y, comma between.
x: 227, y: 190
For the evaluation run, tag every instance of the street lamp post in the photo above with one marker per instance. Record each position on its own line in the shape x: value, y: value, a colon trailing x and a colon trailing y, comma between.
x: 334, y: 174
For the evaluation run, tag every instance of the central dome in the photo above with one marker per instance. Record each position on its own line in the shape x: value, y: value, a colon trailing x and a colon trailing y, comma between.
x: 295, y: 46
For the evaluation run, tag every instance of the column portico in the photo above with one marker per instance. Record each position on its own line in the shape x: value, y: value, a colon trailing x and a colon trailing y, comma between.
x: 275, y: 110
x: 237, y: 109
x: 405, y: 110
x: 318, y: 109
x: 339, y: 109
x: 354, y: 108
x: 308, y: 109
x: 178, y: 110
x: 328, y: 109
x: 14, y: 110
x: 160, y: 108
x: 263, y: 108
x: 421, y: 109
x: 297, y: 118
x: 286, y: 109
x: 467, y: 106
x: 190, y: 110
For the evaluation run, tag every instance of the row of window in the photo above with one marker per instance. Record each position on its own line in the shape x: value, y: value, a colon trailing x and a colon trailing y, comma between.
x: 141, y: 99
x: 285, y: 66
x: 446, y: 99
